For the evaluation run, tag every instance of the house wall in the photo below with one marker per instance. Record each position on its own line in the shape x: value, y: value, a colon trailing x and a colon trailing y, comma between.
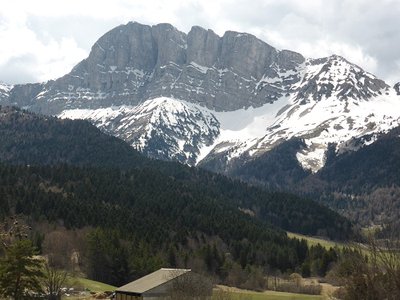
x: 158, y: 292
x: 122, y: 296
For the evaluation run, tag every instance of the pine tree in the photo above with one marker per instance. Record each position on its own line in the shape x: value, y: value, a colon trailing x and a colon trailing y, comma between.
x: 20, y: 271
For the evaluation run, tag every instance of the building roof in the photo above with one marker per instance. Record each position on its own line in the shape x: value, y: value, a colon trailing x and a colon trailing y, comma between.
x: 152, y: 280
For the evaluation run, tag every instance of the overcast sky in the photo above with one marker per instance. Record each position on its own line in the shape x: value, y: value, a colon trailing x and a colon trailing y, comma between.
x: 44, y: 39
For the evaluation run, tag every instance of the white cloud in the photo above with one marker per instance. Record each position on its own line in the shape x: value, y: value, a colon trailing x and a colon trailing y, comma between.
x: 36, y: 59
x: 58, y: 57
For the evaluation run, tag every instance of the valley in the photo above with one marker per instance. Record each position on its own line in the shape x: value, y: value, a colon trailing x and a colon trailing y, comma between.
x: 255, y: 167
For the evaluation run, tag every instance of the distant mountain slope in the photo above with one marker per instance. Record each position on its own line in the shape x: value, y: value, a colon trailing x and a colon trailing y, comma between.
x: 38, y: 140
x: 275, y: 169
x: 366, y: 167
x: 360, y: 178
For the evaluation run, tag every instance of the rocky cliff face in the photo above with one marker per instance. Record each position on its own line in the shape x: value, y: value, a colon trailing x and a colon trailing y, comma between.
x: 135, y: 62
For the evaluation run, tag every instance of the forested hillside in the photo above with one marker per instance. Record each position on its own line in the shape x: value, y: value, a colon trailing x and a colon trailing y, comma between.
x: 29, y: 139
x: 275, y: 169
x: 147, y: 219
x: 139, y: 214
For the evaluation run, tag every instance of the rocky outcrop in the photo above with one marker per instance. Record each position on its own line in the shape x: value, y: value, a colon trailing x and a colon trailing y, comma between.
x: 397, y: 88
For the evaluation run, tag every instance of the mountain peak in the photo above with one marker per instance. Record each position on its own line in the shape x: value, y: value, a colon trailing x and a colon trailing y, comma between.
x: 335, y: 77
x: 337, y: 57
x: 199, y: 28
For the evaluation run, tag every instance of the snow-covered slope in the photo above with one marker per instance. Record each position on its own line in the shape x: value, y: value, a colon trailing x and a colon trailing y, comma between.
x: 331, y: 121
x: 4, y: 91
x: 346, y: 102
x: 326, y: 101
x: 163, y: 127
x: 332, y: 102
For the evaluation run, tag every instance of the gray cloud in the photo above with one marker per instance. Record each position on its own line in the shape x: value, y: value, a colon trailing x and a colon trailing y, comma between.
x: 83, y: 29
x: 19, y: 69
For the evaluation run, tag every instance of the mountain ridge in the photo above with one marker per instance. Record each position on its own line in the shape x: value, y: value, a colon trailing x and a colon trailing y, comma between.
x: 222, y: 81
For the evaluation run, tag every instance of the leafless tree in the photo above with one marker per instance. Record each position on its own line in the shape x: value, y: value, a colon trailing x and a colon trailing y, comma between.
x: 53, y: 281
x: 372, y: 272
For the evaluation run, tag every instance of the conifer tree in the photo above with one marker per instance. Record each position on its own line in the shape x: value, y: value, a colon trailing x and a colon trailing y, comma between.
x: 20, y: 271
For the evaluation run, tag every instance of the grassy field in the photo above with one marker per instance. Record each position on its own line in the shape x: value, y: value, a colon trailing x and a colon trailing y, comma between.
x: 237, y: 294
x: 312, y: 241
x: 267, y: 295
x: 87, y: 284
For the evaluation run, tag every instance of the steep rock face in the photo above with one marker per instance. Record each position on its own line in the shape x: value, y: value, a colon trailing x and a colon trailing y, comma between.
x: 21, y: 95
x: 203, y: 46
x: 135, y: 62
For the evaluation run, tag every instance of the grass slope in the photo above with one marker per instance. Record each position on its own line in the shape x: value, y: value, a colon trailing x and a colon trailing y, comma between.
x: 91, y: 285
x: 313, y: 241
x: 238, y: 294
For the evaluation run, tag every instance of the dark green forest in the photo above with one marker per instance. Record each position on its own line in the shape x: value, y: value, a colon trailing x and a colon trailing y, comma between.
x: 363, y: 184
x: 142, y: 207
x: 276, y: 169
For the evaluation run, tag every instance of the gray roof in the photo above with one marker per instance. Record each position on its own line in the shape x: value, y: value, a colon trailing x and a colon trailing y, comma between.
x: 152, y: 280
